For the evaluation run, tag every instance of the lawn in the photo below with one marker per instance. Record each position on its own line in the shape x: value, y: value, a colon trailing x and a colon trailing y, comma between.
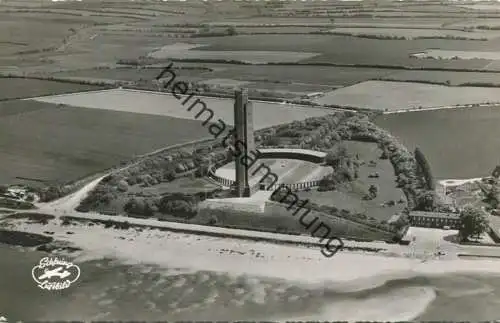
x: 49, y: 143
x: 183, y: 185
x: 163, y: 104
x: 349, y: 196
x: 13, y: 88
x: 458, y: 143
x: 394, y: 96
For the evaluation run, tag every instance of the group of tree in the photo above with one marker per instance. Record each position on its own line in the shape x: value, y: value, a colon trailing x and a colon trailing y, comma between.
x: 175, y: 205
x: 139, y: 207
x: 373, y: 191
x: 424, y: 170
x: 496, y: 172
x: 473, y: 223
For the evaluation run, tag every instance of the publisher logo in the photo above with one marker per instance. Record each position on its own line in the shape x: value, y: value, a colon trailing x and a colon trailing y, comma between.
x: 53, y: 273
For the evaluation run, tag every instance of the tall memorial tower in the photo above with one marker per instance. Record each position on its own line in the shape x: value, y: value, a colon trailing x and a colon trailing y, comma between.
x: 243, y: 123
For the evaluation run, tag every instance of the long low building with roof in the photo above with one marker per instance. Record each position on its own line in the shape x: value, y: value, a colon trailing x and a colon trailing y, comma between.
x: 434, y: 219
x: 312, y: 156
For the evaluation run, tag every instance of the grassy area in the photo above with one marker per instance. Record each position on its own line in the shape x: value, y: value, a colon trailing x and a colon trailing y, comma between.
x: 16, y: 88
x: 184, y: 185
x: 275, y: 78
x: 163, y: 104
x: 50, y: 143
x: 407, y: 95
x: 13, y: 204
x: 350, y: 50
x: 125, y: 74
x: 349, y: 196
x: 458, y: 143
x: 278, y: 219
x: 444, y: 77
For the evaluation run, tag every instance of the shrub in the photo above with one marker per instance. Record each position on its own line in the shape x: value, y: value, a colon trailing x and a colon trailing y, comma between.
x: 122, y: 186
x: 176, y: 207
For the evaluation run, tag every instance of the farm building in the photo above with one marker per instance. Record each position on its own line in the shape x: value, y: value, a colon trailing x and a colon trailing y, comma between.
x: 434, y: 219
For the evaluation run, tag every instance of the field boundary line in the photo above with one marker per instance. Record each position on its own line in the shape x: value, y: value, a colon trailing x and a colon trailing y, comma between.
x: 68, y: 94
x: 462, y: 106
x: 322, y: 107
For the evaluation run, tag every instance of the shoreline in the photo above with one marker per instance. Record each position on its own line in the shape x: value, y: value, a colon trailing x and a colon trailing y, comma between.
x: 349, y: 271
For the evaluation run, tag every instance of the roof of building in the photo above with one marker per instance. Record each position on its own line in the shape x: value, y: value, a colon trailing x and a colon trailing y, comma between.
x: 434, y: 214
x: 294, y: 151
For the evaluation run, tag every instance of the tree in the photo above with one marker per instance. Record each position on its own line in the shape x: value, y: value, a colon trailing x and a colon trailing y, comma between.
x: 134, y: 206
x: 373, y: 191
x: 231, y: 31
x: 492, y: 196
x: 473, y: 223
x: 271, y: 141
x: 122, y: 186
x: 401, y: 222
x: 177, y: 208
x: 426, y: 201
x: 327, y: 183
x: 335, y: 156
x: 496, y: 172
x: 205, y: 29
x: 425, y: 169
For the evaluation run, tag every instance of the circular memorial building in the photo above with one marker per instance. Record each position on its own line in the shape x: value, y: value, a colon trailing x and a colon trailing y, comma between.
x: 297, y: 169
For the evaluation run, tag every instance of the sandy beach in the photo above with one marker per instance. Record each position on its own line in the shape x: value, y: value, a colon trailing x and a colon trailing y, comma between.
x: 235, y: 255
x: 302, y: 266
x: 346, y: 270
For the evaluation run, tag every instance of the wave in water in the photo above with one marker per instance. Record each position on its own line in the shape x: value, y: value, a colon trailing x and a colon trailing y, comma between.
x: 402, y: 304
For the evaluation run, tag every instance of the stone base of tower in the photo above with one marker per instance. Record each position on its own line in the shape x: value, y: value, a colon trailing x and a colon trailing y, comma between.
x: 246, y: 191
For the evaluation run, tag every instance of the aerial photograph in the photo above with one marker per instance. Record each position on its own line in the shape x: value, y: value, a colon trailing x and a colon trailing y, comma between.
x: 250, y: 160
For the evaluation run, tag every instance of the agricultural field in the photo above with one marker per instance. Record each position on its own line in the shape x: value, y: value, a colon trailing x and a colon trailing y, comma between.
x: 444, y: 77
x: 314, y: 75
x: 353, y: 50
x: 293, y: 78
x: 46, y: 142
x: 413, y: 33
x: 458, y: 143
x: 349, y: 196
x: 13, y: 88
x: 193, y: 51
x: 164, y: 104
x: 88, y: 34
x: 132, y: 74
x: 73, y: 39
x: 481, y: 23
x: 482, y: 6
x: 457, y: 54
x: 396, y: 96
x: 226, y: 82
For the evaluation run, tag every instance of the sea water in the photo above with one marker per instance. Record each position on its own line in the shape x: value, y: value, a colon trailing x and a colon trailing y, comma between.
x: 110, y: 290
